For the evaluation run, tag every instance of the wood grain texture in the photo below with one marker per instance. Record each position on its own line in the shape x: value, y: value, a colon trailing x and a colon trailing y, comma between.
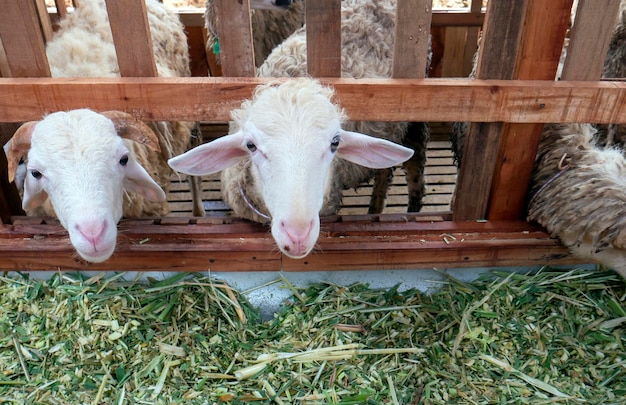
x: 131, y: 35
x: 234, y: 31
x: 538, y: 59
x: 346, y: 243
x: 411, y: 38
x: 20, y: 31
x: 323, y: 33
x: 212, y: 99
x: 496, y: 60
x: 589, y: 39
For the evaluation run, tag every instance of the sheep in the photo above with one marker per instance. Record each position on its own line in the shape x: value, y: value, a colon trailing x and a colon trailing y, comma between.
x: 286, y: 160
x: 577, y: 191
x: 578, y: 194
x: 272, y: 22
x: 367, y: 38
x: 367, y: 44
x: 79, y: 170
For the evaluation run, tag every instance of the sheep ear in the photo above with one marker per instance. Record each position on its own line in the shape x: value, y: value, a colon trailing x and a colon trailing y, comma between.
x: 371, y: 152
x: 129, y: 127
x: 18, y: 146
x: 34, y: 194
x: 138, y: 181
x: 210, y: 157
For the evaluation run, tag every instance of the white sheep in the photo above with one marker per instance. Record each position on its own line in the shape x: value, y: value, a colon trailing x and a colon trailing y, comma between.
x: 272, y: 22
x: 78, y: 167
x: 285, y: 160
x: 367, y: 38
x: 578, y: 187
x: 578, y: 193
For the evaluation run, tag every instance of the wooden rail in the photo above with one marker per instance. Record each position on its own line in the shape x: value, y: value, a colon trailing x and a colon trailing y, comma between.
x: 212, y: 99
x: 526, y: 30
x: 346, y: 243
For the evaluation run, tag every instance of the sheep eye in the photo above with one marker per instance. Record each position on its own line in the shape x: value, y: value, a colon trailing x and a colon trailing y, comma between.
x: 251, y: 146
x: 334, y: 144
x: 36, y: 174
x: 124, y: 160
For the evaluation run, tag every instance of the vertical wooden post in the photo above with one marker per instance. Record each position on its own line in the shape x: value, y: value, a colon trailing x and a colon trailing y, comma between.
x: 589, y: 39
x: 323, y: 38
x: 131, y: 35
x: 24, y: 56
x: 22, y: 39
x: 538, y: 59
x: 412, y: 36
x: 496, y: 60
x: 236, y: 48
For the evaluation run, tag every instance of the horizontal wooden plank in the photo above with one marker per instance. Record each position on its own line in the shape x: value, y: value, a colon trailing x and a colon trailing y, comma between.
x: 212, y: 99
x: 195, y: 18
x: 346, y: 243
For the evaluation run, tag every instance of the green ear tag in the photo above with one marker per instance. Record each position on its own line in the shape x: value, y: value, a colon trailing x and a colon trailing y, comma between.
x: 216, y: 47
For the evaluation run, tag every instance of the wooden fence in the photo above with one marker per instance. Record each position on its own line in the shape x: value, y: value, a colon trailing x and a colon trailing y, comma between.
x: 514, y: 93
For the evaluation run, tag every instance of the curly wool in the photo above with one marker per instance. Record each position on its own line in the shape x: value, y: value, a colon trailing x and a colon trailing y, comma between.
x: 578, y: 193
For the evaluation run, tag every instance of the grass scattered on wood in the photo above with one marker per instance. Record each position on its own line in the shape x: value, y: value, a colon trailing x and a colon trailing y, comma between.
x: 553, y: 337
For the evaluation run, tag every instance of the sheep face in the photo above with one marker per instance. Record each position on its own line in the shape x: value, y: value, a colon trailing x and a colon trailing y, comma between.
x: 78, y: 161
x: 290, y: 134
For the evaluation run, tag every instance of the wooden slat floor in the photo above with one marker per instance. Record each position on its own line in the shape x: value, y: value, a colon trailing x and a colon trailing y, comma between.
x: 441, y: 175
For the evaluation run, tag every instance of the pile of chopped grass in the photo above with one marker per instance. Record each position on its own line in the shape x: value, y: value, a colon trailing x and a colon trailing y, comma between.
x: 555, y: 336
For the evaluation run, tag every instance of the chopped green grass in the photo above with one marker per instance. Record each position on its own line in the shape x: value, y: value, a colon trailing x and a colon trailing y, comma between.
x: 556, y: 336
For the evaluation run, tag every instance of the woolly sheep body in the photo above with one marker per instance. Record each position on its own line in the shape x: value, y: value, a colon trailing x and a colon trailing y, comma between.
x: 83, y: 47
x: 578, y: 194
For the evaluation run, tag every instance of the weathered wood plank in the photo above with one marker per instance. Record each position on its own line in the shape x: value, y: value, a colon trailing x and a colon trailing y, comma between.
x: 496, y: 60
x: 61, y: 8
x: 131, y: 35
x: 212, y: 99
x: 412, y: 31
x: 589, y: 39
x: 348, y: 243
x: 194, y: 18
x: 236, y: 49
x: 323, y: 32
x: 538, y: 59
x: 44, y: 19
x: 20, y: 31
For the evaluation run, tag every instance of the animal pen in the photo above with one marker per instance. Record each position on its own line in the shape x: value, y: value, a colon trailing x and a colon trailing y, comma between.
x: 513, y: 95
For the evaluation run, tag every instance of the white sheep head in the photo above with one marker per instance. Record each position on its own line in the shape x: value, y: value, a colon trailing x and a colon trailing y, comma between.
x: 79, y: 161
x: 291, y: 133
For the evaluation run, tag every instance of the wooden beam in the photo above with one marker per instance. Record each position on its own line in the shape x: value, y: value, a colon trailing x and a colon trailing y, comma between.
x: 44, y: 19
x: 589, y: 39
x: 412, y: 32
x: 496, y: 60
x: 131, y: 35
x: 323, y: 33
x: 22, y: 39
x: 211, y: 99
x: 346, y: 243
x: 455, y: 18
x: 538, y: 59
x: 234, y: 30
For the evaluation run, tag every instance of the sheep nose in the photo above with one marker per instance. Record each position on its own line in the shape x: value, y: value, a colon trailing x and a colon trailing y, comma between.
x: 93, y: 231
x: 298, y: 233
